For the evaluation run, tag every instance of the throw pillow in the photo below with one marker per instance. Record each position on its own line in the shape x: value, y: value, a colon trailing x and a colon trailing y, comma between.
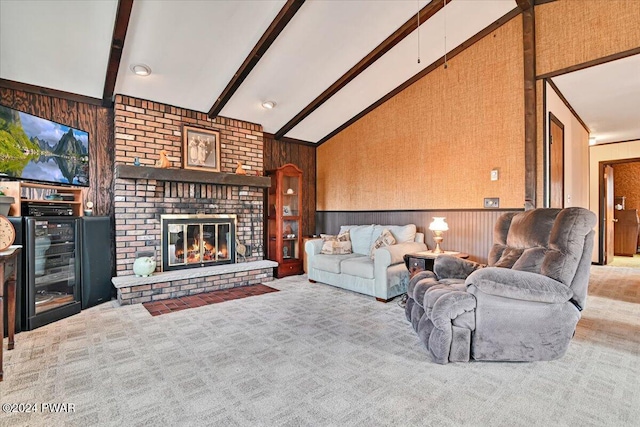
x: 385, y: 239
x: 336, y: 245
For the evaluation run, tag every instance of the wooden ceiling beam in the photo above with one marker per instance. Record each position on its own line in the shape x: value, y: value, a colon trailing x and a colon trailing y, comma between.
x: 525, y: 4
x: 123, y: 14
x: 407, y: 28
x: 283, y: 18
x: 24, y: 87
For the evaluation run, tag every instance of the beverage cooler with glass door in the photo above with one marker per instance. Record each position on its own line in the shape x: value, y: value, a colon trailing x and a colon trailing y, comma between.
x: 52, y: 269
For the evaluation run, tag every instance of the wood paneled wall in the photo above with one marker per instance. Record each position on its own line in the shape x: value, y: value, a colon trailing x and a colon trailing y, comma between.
x: 278, y: 153
x: 626, y: 182
x: 470, y: 231
x: 97, y: 121
x: 433, y: 145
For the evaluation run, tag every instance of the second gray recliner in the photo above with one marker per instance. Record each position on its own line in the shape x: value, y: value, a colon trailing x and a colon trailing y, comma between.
x: 523, y: 306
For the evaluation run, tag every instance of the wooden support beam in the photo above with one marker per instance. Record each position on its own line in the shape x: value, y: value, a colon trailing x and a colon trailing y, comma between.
x: 407, y: 28
x: 117, y: 44
x: 192, y: 176
x: 530, y: 119
x: 24, y: 87
x: 525, y: 4
x: 285, y: 15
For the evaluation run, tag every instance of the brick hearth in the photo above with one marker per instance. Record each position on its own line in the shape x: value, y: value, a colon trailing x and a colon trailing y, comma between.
x: 178, y: 283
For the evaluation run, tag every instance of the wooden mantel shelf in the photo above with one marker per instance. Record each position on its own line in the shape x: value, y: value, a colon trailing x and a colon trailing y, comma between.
x: 193, y: 176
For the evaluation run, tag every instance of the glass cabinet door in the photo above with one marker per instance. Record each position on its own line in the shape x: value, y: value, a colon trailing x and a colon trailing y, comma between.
x: 55, y: 264
x: 290, y: 239
x: 290, y: 196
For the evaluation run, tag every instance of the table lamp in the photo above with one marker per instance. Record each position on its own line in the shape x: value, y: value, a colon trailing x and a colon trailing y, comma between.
x: 438, y: 226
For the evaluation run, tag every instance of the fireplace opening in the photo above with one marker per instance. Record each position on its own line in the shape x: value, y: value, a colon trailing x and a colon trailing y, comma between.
x: 197, y: 240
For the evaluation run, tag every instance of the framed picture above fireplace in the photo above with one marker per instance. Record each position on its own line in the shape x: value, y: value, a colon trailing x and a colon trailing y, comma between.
x: 200, y: 149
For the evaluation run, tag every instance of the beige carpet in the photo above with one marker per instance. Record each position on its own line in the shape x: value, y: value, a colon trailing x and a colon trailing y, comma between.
x: 626, y: 261
x: 314, y: 355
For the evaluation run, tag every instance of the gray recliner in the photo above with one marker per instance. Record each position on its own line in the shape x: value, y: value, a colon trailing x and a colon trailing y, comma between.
x: 523, y: 306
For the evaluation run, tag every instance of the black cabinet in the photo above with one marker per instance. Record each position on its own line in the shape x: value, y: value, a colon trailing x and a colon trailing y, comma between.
x: 65, y: 266
x: 96, y: 261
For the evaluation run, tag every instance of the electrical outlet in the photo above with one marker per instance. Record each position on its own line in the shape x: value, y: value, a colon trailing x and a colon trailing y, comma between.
x: 491, y: 202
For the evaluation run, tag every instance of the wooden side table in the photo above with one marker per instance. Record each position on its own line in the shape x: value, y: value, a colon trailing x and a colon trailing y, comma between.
x: 8, y: 257
x: 421, y: 261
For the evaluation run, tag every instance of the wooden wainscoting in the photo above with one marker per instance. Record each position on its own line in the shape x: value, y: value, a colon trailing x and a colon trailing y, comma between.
x: 470, y: 231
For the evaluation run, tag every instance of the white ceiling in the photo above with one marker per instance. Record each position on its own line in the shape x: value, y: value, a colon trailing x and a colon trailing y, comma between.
x: 194, y: 47
x: 62, y: 45
x: 607, y: 98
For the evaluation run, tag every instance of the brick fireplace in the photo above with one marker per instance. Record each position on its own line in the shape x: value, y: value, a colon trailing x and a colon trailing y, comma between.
x: 143, y: 194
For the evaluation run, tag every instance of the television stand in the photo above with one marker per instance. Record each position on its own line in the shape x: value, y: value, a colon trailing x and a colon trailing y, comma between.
x: 33, y: 193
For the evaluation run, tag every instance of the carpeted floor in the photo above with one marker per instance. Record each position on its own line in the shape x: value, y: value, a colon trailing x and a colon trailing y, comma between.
x: 626, y: 261
x: 314, y: 355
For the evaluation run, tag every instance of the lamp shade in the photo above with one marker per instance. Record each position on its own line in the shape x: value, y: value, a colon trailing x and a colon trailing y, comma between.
x: 438, y: 224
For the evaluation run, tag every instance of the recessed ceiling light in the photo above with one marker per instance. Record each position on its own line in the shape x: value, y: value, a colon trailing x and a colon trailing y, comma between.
x: 269, y: 105
x: 141, y: 69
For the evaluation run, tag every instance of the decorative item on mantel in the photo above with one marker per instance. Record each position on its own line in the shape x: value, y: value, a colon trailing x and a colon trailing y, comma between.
x: 240, y: 170
x: 136, y: 161
x: 145, y: 264
x: 163, y: 161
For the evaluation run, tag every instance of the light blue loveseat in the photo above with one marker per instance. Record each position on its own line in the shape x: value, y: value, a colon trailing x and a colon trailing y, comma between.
x: 384, y: 277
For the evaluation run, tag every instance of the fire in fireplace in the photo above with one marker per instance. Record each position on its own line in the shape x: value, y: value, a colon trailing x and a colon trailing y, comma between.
x: 197, y: 240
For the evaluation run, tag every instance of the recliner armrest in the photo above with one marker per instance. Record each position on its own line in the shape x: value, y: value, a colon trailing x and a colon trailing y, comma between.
x: 451, y: 267
x: 516, y: 284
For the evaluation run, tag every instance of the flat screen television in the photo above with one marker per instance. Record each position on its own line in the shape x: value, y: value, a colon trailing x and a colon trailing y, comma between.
x: 36, y: 149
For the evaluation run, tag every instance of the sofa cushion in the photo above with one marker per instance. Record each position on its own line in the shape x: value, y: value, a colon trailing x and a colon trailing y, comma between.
x: 331, y: 263
x: 336, y: 245
x: 402, y: 233
x: 361, y: 266
x: 361, y: 237
x: 384, y: 239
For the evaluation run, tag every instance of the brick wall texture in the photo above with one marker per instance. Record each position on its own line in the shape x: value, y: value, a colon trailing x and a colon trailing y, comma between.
x: 142, y: 130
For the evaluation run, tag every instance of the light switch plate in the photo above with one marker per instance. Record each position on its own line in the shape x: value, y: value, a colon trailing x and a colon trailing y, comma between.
x: 491, y: 202
x: 494, y: 175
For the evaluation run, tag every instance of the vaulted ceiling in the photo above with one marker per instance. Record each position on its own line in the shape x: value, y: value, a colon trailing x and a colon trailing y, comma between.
x: 322, y: 62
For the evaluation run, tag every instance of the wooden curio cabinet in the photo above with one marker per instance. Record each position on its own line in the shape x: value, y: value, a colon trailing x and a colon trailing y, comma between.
x: 284, y: 220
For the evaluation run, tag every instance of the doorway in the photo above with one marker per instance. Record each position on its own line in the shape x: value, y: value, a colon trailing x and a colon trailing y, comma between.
x: 619, y: 181
x: 556, y: 162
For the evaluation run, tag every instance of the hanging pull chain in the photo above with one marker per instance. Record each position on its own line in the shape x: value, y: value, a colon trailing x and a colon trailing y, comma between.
x: 418, y: 3
x: 444, y: 4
